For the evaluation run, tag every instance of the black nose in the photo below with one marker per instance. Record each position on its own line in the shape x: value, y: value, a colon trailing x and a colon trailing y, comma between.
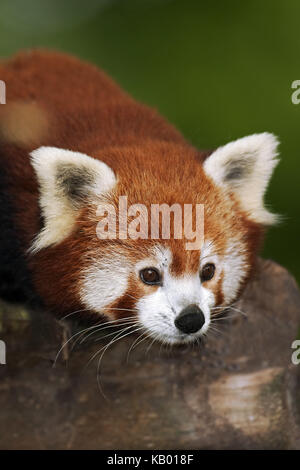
x: 190, y: 320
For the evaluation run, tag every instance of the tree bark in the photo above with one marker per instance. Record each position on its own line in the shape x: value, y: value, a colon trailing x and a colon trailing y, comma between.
x: 238, y: 390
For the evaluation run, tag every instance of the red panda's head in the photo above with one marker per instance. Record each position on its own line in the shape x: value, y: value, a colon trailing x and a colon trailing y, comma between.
x: 125, y: 272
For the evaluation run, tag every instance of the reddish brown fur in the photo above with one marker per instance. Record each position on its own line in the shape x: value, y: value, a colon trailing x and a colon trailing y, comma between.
x: 77, y: 107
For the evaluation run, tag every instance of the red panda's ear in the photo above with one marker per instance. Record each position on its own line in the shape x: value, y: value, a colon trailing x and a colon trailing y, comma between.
x: 244, y: 167
x: 66, y: 179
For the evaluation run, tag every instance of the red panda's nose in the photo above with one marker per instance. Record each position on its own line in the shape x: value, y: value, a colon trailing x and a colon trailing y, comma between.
x: 190, y: 320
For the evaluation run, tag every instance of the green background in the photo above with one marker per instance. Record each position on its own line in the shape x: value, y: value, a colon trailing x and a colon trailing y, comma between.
x: 217, y: 70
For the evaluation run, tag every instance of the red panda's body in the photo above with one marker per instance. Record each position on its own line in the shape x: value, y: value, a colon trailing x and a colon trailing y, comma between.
x: 54, y: 100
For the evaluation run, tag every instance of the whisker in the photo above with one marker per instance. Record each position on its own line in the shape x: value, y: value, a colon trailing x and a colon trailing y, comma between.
x: 107, y: 327
x: 106, y: 308
x: 68, y: 341
x: 73, y: 313
x: 151, y: 344
x: 134, y: 298
x: 109, y: 324
x: 122, y: 309
x: 101, y: 357
x: 220, y: 332
x: 240, y: 311
x: 80, y: 333
x: 214, y: 330
x: 111, y: 342
x: 227, y: 317
x: 230, y: 307
x: 136, y: 341
x: 110, y: 334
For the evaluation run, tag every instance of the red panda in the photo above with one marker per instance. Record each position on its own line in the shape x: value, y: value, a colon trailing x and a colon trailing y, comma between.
x: 72, y: 141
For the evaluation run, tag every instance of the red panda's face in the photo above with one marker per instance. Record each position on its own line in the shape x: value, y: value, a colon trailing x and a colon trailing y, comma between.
x: 171, y: 291
x: 172, y: 303
x: 156, y: 284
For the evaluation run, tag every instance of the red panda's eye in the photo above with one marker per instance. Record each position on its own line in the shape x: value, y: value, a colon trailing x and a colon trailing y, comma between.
x: 150, y: 276
x: 207, y: 272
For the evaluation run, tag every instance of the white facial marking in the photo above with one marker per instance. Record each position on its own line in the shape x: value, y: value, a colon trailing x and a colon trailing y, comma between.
x: 159, y: 309
x: 235, y: 268
x: 233, y: 264
x: 105, y: 281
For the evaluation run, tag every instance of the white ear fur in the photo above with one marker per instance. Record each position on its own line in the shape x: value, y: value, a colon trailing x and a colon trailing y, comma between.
x: 244, y: 167
x: 65, y: 179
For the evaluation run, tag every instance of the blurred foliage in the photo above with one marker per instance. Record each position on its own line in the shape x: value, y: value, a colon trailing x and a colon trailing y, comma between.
x: 217, y: 70
x: 13, y: 317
